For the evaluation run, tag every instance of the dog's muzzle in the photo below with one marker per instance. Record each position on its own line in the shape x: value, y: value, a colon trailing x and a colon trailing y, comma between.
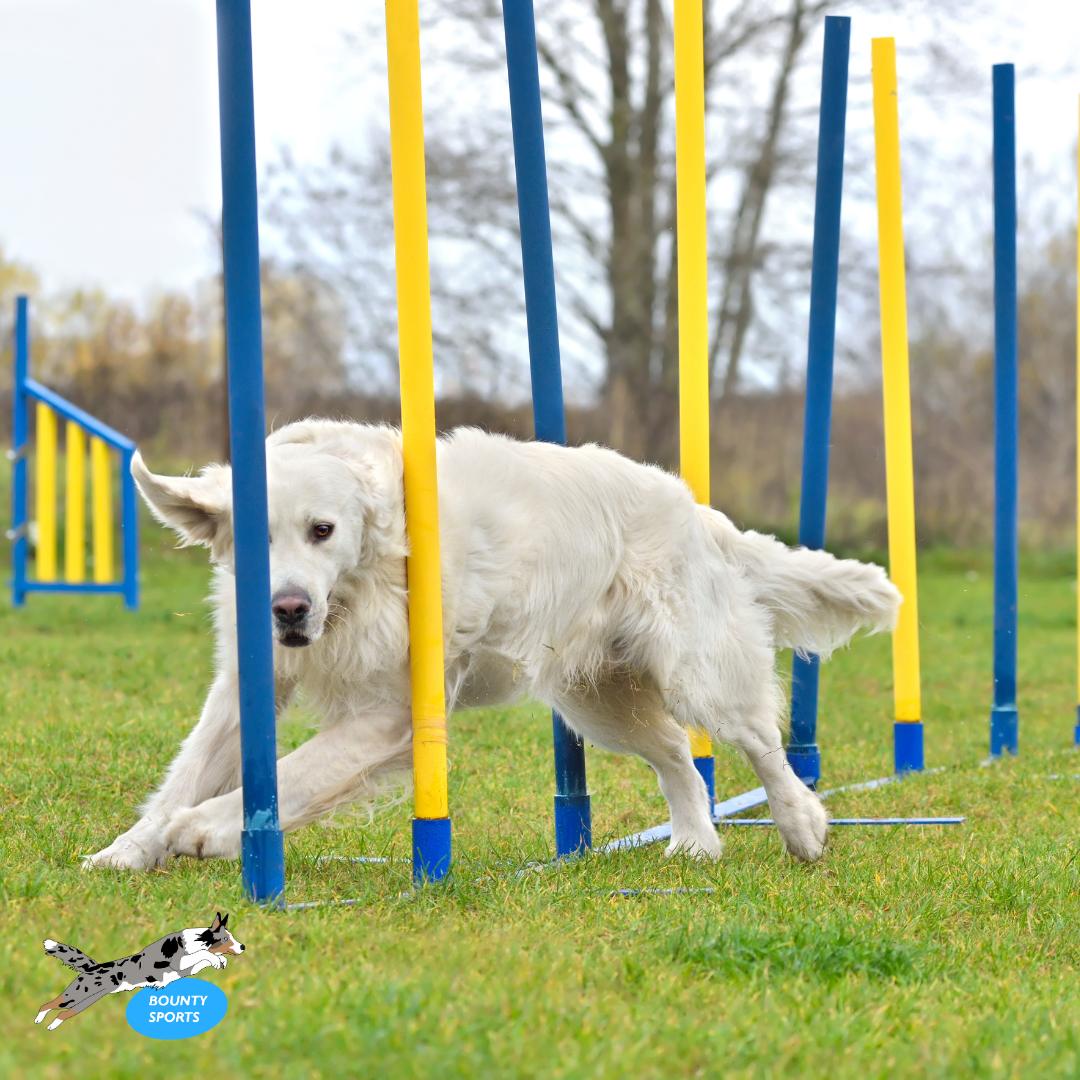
x: 290, y: 608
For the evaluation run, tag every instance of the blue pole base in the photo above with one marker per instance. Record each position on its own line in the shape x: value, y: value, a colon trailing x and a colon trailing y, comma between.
x: 1004, y: 730
x: 908, y: 746
x: 262, y: 852
x: 430, y: 849
x: 573, y: 825
x: 1076, y: 732
x: 805, y: 759
x: 706, y: 766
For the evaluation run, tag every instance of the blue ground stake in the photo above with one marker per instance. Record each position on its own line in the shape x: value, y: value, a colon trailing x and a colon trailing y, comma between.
x: 573, y: 818
x: 20, y: 445
x: 802, y: 749
x: 1004, y: 721
x: 262, y: 848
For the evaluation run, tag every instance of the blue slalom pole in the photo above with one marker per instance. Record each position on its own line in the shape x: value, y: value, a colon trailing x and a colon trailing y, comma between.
x: 1004, y: 720
x: 261, y: 847
x: 20, y: 446
x: 573, y: 816
x: 802, y: 751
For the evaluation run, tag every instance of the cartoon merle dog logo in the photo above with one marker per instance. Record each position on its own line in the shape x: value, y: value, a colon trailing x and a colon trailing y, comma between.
x: 172, y: 957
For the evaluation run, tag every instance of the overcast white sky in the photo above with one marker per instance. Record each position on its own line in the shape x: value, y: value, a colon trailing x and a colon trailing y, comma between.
x: 109, y: 124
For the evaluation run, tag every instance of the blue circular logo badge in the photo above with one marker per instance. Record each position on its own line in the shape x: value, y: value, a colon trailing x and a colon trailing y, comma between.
x: 185, y: 1008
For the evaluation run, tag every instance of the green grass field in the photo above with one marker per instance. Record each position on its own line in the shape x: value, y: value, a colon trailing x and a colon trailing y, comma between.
x: 920, y: 952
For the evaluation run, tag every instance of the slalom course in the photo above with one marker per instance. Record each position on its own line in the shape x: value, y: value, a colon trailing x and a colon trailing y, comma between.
x: 262, y: 849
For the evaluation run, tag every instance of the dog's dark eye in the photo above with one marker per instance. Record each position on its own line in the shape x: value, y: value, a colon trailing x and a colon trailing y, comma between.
x: 321, y: 530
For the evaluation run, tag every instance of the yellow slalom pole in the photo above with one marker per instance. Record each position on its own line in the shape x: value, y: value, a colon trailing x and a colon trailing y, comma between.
x: 692, y: 269
x: 45, y: 493
x: 900, y: 482
x: 431, y: 832
x: 75, y: 504
x: 101, y: 499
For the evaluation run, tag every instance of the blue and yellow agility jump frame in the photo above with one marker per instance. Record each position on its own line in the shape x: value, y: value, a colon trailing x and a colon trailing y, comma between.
x: 105, y: 445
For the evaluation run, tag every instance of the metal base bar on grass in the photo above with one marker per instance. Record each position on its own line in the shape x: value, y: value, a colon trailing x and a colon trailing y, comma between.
x: 857, y: 821
x: 738, y: 804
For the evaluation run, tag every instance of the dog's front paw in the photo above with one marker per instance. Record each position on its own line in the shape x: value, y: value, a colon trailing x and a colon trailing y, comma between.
x: 137, y: 849
x: 202, y: 835
x: 701, y: 844
x: 804, y: 831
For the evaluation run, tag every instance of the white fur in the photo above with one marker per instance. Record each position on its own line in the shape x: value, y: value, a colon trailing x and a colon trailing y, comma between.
x: 574, y: 576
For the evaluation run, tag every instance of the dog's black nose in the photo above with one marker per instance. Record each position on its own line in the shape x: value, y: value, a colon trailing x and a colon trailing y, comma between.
x: 291, y: 606
x: 242, y: 948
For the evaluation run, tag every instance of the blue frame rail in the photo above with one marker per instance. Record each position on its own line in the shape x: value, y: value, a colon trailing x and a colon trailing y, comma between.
x: 26, y: 389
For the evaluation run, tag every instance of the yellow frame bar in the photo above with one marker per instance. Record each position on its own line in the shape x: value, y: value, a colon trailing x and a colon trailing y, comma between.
x: 900, y: 483
x: 416, y: 360
x: 693, y: 269
x: 102, y: 510
x: 45, y: 493
x: 75, y: 503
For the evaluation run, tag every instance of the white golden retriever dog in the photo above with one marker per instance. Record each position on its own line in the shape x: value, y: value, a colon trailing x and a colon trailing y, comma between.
x: 574, y: 576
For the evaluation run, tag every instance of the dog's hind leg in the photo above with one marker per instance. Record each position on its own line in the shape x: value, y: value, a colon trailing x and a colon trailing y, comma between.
x: 798, y: 812
x: 345, y: 762
x: 48, y: 1007
x: 624, y: 715
x: 70, y: 1008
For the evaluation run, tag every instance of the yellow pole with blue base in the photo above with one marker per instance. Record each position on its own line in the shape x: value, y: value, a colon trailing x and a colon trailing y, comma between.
x: 693, y: 285
x: 900, y: 484
x: 45, y: 493
x: 431, y: 823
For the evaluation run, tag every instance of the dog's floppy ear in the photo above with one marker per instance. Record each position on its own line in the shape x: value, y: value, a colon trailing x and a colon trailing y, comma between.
x: 193, y: 506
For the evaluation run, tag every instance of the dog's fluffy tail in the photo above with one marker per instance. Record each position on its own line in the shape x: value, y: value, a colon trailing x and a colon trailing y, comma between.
x: 818, y: 602
x: 68, y: 954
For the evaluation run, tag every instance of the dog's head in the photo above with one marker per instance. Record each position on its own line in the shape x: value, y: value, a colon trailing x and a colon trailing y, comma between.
x: 216, y: 938
x: 335, y: 505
